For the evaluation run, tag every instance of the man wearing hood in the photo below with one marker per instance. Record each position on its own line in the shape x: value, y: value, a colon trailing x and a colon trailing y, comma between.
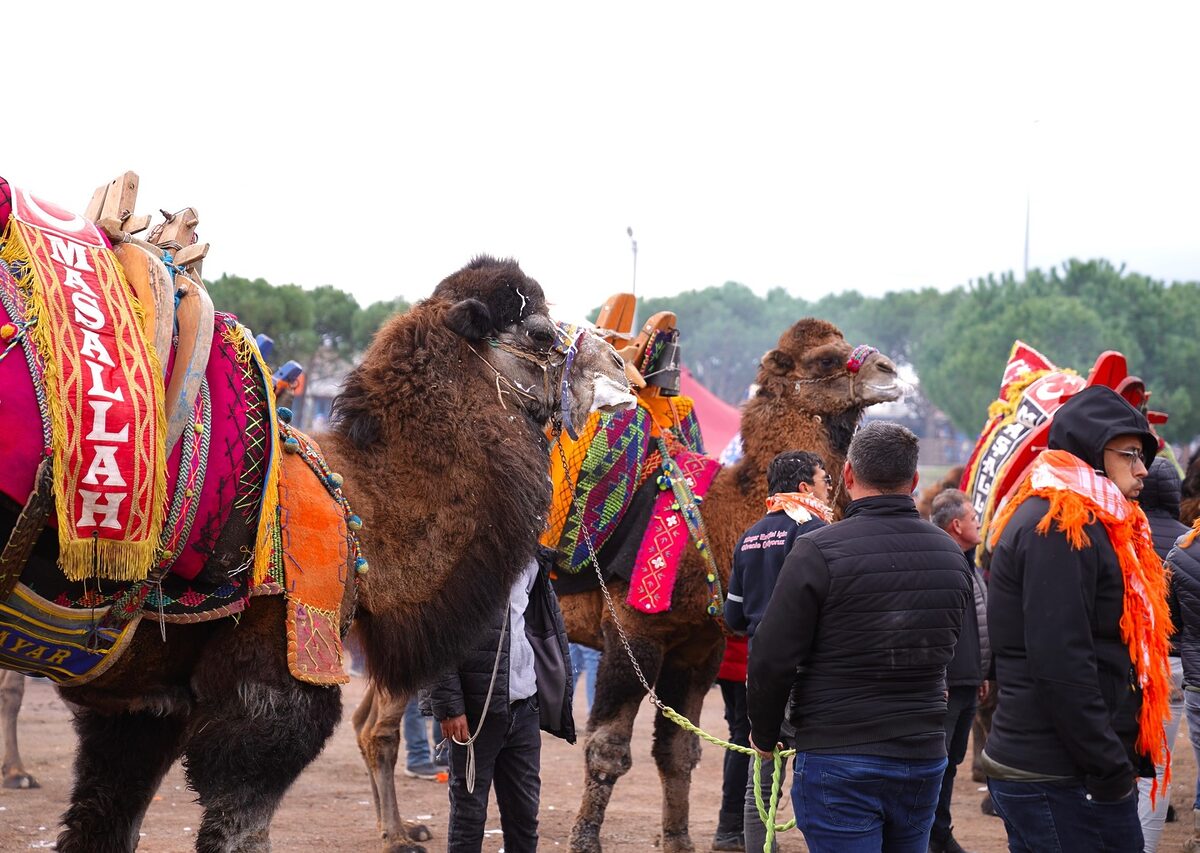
x: 1079, y: 623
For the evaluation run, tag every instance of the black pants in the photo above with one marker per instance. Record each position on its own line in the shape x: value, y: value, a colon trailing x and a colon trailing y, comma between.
x: 960, y: 712
x: 507, y: 752
x: 733, y: 786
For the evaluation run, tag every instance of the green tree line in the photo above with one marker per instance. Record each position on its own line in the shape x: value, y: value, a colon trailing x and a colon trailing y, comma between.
x: 957, y: 341
x: 302, y: 321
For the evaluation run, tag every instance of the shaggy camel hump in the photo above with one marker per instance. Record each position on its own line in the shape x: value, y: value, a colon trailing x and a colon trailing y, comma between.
x: 812, y: 388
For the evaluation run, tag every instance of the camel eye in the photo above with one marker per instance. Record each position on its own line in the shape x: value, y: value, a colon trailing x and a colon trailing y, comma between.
x: 827, y: 363
x: 541, y: 337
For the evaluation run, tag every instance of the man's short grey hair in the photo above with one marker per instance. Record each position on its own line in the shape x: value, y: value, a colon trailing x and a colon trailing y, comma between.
x: 947, y: 506
x: 884, y: 457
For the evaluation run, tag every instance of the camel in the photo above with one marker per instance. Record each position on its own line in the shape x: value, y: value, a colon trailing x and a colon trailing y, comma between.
x: 439, y: 435
x: 12, y: 770
x: 808, y: 398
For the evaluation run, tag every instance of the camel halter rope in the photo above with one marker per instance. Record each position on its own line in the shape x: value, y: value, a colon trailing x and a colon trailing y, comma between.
x: 560, y: 355
x: 768, y: 810
x: 854, y: 363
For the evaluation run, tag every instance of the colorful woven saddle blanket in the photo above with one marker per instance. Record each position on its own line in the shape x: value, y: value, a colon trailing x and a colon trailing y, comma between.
x: 232, y: 509
x: 622, y: 506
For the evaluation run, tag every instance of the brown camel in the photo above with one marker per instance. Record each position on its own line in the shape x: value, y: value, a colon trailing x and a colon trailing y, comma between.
x: 439, y: 435
x: 808, y: 399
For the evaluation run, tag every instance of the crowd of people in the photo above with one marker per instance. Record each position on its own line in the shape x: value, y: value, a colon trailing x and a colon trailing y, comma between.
x: 1070, y: 642
x: 874, y: 644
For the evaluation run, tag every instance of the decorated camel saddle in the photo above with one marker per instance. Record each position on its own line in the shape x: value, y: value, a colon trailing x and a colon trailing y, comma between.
x: 143, y: 448
x: 627, y: 486
x: 1031, y: 391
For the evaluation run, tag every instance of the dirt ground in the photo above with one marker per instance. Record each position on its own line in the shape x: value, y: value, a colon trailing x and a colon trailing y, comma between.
x: 329, y: 808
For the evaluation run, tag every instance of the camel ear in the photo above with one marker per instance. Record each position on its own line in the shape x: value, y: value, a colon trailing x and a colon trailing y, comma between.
x: 469, y: 318
x: 778, y: 361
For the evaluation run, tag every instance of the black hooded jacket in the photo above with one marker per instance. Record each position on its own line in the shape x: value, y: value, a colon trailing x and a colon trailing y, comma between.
x: 1069, y: 700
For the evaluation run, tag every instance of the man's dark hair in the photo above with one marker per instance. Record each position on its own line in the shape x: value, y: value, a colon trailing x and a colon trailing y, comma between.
x: 947, y: 506
x: 791, y: 468
x: 884, y: 457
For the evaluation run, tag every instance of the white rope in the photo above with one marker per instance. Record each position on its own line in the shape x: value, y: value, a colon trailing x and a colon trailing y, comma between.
x: 469, y: 743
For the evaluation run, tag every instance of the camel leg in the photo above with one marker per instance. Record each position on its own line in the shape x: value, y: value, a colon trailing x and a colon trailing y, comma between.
x: 246, y: 749
x: 610, y: 728
x: 120, y: 762
x: 378, y: 732
x: 12, y: 769
x: 676, y: 751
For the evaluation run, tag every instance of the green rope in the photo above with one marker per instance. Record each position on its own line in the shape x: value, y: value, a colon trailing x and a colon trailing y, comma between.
x: 767, y: 811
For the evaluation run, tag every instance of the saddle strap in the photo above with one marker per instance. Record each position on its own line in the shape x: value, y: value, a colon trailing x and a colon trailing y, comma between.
x: 28, y: 528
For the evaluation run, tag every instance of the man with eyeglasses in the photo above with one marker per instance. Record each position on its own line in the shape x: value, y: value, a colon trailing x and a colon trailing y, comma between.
x: 1078, y: 621
x: 798, y: 502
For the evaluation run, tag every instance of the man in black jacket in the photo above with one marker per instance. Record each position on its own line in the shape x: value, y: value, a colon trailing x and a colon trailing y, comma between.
x: 1160, y: 499
x: 1061, y: 757
x: 859, y: 631
x: 966, y: 676
x: 1184, y: 560
x: 514, y: 683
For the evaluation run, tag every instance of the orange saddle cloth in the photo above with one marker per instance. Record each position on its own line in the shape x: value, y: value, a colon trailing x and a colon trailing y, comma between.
x: 318, y: 557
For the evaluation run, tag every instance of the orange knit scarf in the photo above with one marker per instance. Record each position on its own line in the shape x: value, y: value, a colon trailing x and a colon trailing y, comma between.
x: 799, y: 506
x: 1079, y: 496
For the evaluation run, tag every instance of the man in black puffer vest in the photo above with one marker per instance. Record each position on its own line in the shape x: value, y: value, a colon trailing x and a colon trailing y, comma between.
x: 515, y: 681
x: 859, y: 630
x: 1160, y: 499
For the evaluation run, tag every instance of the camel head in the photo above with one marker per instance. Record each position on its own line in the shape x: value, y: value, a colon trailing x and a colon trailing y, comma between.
x: 815, y: 369
x: 554, y: 372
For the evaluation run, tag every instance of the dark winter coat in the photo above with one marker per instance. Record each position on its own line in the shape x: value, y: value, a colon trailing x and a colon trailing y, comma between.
x: 465, y: 689
x: 860, y: 628
x: 966, y: 668
x: 1185, y: 583
x: 1069, y: 700
x: 757, y: 559
x: 1160, y: 500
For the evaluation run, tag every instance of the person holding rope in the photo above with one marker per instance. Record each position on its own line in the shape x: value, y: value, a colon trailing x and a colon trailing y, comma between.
x: 797, y: 503
x: 515, y: 683
x: 859, y: 630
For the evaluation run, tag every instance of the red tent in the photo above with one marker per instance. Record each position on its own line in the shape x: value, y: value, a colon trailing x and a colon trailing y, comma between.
x: 718, y: 420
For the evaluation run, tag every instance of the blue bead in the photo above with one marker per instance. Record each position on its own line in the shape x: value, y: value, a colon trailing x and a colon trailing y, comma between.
x: 291, y: 445
x: 285, y: 414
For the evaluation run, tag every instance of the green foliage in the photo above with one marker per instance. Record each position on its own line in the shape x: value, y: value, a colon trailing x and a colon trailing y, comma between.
x: 958, y: 341
x: 302, y: 321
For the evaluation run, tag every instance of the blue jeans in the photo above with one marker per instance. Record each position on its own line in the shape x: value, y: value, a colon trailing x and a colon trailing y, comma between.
x: 1043, y: 817
x: 865, y: 803
x: 416, y: 736
x: 1191, y: 704
x: 585, y: 661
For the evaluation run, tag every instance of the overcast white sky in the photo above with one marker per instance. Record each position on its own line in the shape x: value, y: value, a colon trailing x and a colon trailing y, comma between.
x: 378, y: 147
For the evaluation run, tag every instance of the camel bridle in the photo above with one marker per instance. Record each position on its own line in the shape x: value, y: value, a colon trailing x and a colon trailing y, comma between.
x: 555, y: 364
x: 852, y: 368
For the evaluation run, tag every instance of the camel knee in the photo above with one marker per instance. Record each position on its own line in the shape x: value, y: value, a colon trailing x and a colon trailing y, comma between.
x: 676, y: 753
x: 608, y: 755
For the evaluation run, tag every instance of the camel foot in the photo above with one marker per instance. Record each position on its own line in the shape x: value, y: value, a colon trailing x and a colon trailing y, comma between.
x: 585, y: 838
x: 21, y: 781
x: 678, y: 843
x: 403, y: 847
x: 417, y: 831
